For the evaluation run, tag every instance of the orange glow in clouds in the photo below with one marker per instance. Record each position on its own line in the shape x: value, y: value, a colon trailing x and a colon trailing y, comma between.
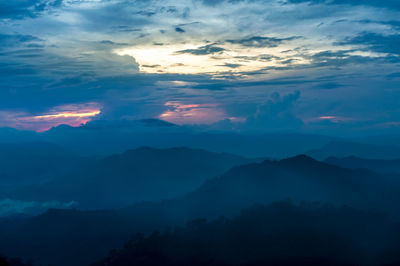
x: 327, y: 117
x: 334, y: 119
x: 74, y: 115
x: 68, y: 115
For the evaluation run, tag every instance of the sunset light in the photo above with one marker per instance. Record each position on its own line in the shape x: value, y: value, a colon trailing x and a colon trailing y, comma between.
x: 74, y: 115
x: 206, y: 58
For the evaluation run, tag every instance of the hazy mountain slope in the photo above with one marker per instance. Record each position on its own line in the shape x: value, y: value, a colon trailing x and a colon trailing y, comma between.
x: 33, y: 162
x: 380, y: 166
x: 136, y: 175
x: 298, y: 178
x: 12, y: 135
x: 342, y: 149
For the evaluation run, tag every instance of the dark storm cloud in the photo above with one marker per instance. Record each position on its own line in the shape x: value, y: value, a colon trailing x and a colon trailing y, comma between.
x: 203, y: 50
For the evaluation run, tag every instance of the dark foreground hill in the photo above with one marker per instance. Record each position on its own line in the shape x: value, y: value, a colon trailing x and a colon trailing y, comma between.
x: 137, y: 175
x: 277, y: 234
x: 68, y: 237
x: 4, y: 261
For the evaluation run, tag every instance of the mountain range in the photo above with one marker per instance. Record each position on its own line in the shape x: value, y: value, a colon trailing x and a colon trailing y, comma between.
x: 143, y: 174
x: 298, y: 179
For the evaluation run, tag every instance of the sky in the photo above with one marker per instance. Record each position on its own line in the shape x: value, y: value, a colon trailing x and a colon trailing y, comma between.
x: 320, y: 66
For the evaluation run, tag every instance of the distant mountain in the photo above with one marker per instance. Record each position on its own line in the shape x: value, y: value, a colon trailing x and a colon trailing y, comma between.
x: 152, y: 122
x: 108, y: 137
x: 25, y: 163
x: 298, y: 178
x: 105, y: 137
x: 342, y: 149
x: 379, y: 166
x: 137, y: 175
x: 12, y: 135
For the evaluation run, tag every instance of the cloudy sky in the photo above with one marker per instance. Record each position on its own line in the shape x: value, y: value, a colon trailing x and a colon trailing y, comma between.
x: 323, y: 66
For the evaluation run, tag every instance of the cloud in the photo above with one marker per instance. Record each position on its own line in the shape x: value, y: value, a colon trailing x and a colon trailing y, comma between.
x: 19, y: 9
x: 111, y: 43
x: 56, y: 75
x: 203, y: 50
x: 16, y: 38
x: 218, y: 2
x: 395, y: 75
x: 72, y: 114
x: 192, y: 113
x: 232, y: 65
x: 259, y: 41
x: 179, y: 29
x: 341, y: 58
x: 390, y: 4
x: 329, y: 85
x: 232, y: 53
x: 376, y: 42
x: 276, y: 114
x: 12, y: 41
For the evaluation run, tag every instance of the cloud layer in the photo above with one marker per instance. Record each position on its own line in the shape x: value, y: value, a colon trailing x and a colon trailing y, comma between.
x: 237, y: 60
